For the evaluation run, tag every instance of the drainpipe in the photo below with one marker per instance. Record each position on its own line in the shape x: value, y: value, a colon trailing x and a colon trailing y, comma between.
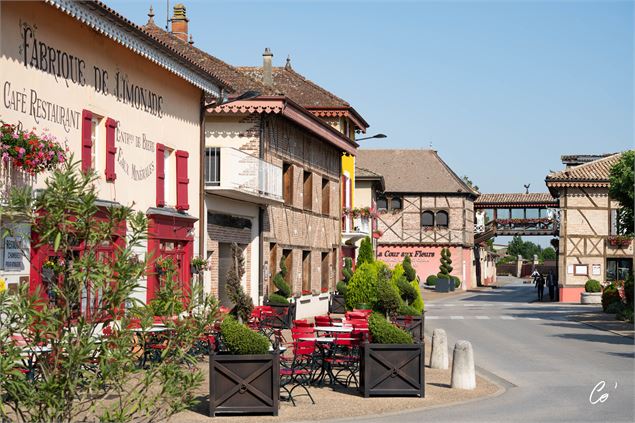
x: 201, y: 187
x: 261, y: 219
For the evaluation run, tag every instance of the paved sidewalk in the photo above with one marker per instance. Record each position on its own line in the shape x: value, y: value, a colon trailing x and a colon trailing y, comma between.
x: 605, y: 321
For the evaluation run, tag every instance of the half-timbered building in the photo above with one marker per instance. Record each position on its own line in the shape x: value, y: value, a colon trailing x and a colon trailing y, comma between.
x: 589, y: 246
x: 425, y: 207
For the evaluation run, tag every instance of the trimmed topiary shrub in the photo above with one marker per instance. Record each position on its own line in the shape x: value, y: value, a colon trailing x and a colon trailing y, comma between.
x: 409, y: 271
x: 418, y: 302
x: 284, y: 291
x: 240, y: 340
x: 592, y: 286
x: 610, y: 296
x: 347, y: 274
x: 431, y: 280
x: 362, y: 289
x: 384, y: 332
x: 388, y: 299
x: 365, y: 254
x: 446, y: 264
x: 457, y: 281
x: 243, y: 304
x: 406, y: 310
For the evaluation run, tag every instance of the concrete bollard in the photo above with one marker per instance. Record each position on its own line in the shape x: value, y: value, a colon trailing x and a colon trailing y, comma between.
x: 439, y: 352
x: 463, y: 373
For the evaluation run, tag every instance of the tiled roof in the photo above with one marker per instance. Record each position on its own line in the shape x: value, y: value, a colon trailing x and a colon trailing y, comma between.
x: 413, y: 171
x: 516, y: 198
x: 237, y: 81
x: 295, y: 86
x: 578, y: 159
x: 595, y: 171
x: 361, y: 172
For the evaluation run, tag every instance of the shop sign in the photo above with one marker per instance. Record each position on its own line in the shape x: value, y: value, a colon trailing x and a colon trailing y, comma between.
x: 13, y: 254
x: 390, y: 254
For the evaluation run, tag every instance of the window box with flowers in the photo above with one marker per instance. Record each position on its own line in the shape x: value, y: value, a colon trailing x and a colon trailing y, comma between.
x: 377, y: 234
x: 29, y: 151
x: 198, y: 265
x: 622, y: 241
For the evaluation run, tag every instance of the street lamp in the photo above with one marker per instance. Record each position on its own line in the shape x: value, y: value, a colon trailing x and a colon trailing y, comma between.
x: 374, y: 136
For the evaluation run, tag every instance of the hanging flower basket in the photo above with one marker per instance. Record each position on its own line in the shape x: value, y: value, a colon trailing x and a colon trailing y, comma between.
x: 377, y: 234
x: 29, y: 151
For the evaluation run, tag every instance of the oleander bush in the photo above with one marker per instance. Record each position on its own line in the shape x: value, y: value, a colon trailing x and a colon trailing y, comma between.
x: 240, y: 340
x: 592, y: 286
x: 431, y: 280
x: 384, y: 332
x: 610, y: 295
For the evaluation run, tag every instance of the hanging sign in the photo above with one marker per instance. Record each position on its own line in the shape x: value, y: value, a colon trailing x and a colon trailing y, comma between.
x: 13, y: 254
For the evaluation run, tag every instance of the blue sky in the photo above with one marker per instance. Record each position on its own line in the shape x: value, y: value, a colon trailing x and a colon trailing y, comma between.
x: 500, y: 89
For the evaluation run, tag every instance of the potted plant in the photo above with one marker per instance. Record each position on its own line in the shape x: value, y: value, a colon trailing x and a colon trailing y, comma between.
x: 377, y: 233
x: 164, y: 265
x: 279, y: 300
x: 410, y: 314
x: 444, y: 282
x: 392, y: 364
x: 337, y: 302
x: 197, y: 265
x: 592, y: 292
x: 245, y: 376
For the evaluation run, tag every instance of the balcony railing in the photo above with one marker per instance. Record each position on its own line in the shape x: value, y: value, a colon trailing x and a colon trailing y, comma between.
x: 239, y: 175
x: 356, y: 225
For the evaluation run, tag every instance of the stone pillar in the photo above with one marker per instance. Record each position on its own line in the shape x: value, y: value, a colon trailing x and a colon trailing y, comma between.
x: 439, y: 352
x: 463, y: 372
x: 519, y: 266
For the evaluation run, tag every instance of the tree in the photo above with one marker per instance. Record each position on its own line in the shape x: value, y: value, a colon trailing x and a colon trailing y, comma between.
x: 243, y: 305
x: 365, y: 254
x: 525, y: 249
x: 84, y: 374
x: 621, y: 189
x: 548, y: 254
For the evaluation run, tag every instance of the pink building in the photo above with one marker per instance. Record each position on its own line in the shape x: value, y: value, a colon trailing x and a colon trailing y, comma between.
x: 425, y: 207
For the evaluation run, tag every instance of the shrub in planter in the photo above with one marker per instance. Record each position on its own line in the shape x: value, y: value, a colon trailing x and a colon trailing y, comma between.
x: 418, y: 302
x: 337, y: 302
x: 457, y: 281
x: 362, y: 289
x: 384, y: 332
x: 243, y: 304
x: 246, y: 379
x: 610, y: 295
x: 431, y: 280
x: 240, y: 340
x: 592, y: 286
x: 407, y: 310
x: 281, y: 296
x: 388, y: 299
x: 392, y: 364
x: 365, y: 254
x: 409, y: 271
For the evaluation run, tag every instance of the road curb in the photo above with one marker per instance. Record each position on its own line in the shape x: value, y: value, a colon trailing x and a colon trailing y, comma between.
x: 602, y: 328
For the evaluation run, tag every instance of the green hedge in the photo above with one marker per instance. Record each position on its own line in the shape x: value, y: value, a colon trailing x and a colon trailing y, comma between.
x: 406, y: 310
x: 240, y: 340
x: 362, y: 288
x: 592, y: 286
x: 384, y: 332
x: 418, y: 302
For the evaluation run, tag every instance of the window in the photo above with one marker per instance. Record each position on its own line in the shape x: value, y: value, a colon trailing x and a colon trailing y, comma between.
x: 287, y: 183
x: 306, y: 271
x: 326, y: 196
x: 441, y: 219
x: 618, y: 268
x: 427, y: 219
x: 396, y: 203
x: 326, y: 272
x: 308, y: 191
x: 381, y: 202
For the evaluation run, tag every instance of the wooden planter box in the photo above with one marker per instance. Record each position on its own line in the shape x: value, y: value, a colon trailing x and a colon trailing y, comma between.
x: 414, y: 325
x: 288, y: 312
x: 392, y: 370
x: 443, y: 285
x: 241, y: 384
x: 337, y: 304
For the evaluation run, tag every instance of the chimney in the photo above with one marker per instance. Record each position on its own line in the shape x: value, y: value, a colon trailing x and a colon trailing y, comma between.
x: 267, y: 70
x: 179, y: 22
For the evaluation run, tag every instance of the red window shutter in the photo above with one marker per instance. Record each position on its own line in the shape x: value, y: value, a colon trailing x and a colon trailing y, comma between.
x: 182, y: 180
x: 160, y: 175
x: 111, y: 150
x: 87, y: 143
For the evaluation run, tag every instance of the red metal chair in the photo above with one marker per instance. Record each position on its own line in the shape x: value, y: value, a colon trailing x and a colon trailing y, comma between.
x: 300, y: 371
x: 345, y: 358
x: 355, y: 315
x: 323, y: 321
x: 302, y: 323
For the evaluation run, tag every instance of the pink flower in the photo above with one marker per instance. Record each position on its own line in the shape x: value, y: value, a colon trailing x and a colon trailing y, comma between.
x: 21, y: 150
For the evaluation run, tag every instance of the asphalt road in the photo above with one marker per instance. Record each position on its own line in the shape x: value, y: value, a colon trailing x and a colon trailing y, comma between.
x: 549, y: 363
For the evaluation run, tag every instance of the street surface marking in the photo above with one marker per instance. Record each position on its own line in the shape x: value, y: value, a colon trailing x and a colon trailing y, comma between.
x: 508, y: 318
x: 456, y: 317
x: 482, y: 317
x: 432, y: 317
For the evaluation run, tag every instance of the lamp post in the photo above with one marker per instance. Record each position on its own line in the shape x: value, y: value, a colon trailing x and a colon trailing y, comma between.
x: 371, y: 137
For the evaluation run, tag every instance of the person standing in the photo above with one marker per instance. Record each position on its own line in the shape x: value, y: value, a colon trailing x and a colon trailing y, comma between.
x: 551, y: 286
x: 540, y: 286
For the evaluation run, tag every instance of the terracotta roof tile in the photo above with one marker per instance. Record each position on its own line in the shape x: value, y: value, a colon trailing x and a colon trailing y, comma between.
x: 237, y: 81
x: 595, y: 171
x: 413, y: 171
x: 516, y: 198
x: 361, y: 172
x: 295, y: 86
